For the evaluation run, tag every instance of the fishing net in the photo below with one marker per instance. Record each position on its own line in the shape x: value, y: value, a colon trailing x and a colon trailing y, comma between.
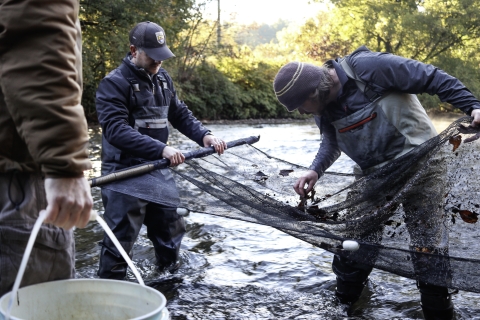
x: 415, y: 217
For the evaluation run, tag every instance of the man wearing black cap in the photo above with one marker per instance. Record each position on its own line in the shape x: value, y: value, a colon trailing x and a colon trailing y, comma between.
x: 365, y: 106
x: 134, y: 103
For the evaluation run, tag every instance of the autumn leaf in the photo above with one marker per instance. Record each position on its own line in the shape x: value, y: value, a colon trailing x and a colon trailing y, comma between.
x: 424, y: 250
x: 456, y: 140
x: 468, y: 216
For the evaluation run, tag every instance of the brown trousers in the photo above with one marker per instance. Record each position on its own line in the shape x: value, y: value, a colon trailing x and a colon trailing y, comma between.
x: 22, y: 197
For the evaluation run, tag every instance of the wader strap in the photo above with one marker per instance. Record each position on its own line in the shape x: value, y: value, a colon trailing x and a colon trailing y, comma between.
x: 164, y: 81
x: 127, y: 74
x: 364, y: 87
x: 133, y: 101
x: 164, y: 86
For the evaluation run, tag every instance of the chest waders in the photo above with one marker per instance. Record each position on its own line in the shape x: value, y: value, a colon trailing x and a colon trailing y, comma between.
x: 149, y: 116
x: 125, y: 214
x: 149, y: 106
x: 388, y: 127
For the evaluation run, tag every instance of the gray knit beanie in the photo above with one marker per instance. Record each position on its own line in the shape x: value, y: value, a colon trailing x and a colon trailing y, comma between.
x: 294, y: 82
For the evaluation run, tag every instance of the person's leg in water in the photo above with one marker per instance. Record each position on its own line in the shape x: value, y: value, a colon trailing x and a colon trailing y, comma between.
x: 436, y: 302
x: 124, y: 215
x: 351, y: 279
x: 424, y: 209
x: 352, y: 272
x: 353, y: 276
x: 165, y: 228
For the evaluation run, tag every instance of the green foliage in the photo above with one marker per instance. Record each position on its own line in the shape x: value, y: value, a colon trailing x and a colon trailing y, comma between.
x: 105, y: 28
x: 254, y: 80
x: 231, y: 77
x: 417, y: 29
x: 236, y: 89
x: 444, y: 33
x: 256, y: 34
x: 233, y: 90
x: 210, y: 95
x: 318, y: 39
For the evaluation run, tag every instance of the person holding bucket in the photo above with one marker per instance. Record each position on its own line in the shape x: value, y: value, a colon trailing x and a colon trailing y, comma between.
x: 135, y: 102
x: 43, y: 138
x: 365, y: 106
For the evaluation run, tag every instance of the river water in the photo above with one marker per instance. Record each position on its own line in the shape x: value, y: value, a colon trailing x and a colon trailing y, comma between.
x: 238, y: 270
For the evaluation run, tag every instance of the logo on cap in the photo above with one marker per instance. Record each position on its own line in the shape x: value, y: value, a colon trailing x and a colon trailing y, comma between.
x: 160, y: 37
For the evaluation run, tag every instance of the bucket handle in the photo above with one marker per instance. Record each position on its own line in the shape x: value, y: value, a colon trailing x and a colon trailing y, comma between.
x: 31, y: 240
x: 94, y: 216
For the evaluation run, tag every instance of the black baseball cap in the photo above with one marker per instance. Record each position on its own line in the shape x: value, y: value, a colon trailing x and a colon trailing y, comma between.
x: 151, y: 38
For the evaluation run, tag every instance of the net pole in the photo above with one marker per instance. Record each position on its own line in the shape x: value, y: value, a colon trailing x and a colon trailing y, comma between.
x: 163, y: 163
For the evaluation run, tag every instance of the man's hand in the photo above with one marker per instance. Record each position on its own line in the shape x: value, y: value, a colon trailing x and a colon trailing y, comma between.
x: 175, y: 156
x: 309, y: 179
x: 69, y: 202
x: 212, y: 141
x: 476, y: 117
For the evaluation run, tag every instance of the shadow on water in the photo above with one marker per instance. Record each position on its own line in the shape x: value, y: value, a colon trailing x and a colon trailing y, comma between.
x: 237, y: 270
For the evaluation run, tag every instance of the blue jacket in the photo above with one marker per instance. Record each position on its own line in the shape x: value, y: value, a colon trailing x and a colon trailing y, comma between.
x: 383, y: 72
x: 130, y: 106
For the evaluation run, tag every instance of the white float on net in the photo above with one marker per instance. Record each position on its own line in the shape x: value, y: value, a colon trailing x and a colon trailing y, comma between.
x: 350, y: 245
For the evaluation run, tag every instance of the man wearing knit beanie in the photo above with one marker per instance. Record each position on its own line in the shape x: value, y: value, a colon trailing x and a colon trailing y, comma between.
x: 297, y: 81
x: 365, y: 105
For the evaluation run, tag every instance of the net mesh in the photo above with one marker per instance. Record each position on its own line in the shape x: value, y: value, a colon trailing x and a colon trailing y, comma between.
x: 415, y: 217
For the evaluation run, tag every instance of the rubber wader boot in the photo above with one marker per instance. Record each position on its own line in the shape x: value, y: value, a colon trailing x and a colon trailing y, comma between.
x: 112, y: 265
x: 351, y: 279
x: 436, y: 302
x: 349, y: 292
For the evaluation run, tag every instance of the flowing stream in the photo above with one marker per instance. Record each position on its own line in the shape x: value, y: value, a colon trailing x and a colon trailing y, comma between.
x: 237, y: 270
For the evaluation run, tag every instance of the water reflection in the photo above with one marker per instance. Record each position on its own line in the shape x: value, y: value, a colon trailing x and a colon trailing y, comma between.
x: 237, y: 270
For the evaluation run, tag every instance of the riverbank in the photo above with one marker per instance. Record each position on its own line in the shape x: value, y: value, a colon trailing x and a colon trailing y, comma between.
x: 259, y: 121
x: 243, y: 121
x: 434, y: 115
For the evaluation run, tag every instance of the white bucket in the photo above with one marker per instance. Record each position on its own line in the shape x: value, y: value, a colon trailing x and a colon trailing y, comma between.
x: 86, y: 299
x: 93, y: 299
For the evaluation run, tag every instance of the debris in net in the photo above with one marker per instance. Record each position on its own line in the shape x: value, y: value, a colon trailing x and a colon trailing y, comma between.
x: 456, y: 141
x: 285, y: 173
x: 468, y: 216
x: 391, y: 212
x: 317, y: 212
x: 260, y: 176
x: 424, y: 250
x: 303, y: 200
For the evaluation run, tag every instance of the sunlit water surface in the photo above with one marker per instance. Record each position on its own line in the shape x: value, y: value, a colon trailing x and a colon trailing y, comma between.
x: 237, y: 270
